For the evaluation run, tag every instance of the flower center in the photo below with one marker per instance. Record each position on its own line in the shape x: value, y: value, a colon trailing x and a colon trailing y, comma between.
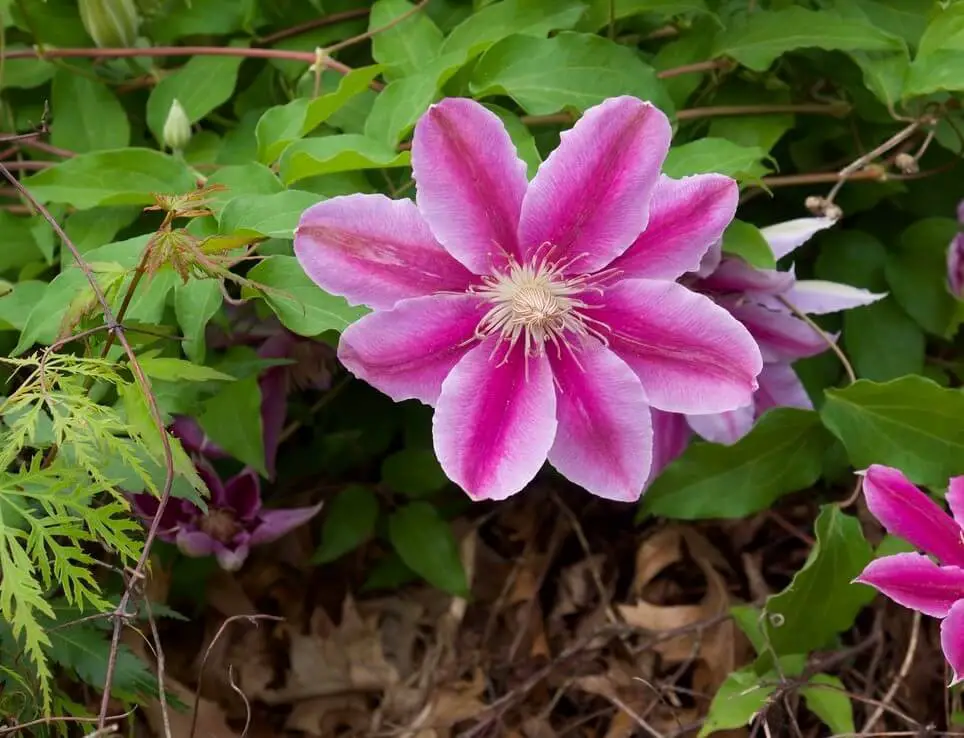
x: 537, y: 303
x: 220, y: 524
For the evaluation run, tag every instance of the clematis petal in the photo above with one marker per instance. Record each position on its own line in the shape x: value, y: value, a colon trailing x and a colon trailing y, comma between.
x: 952, y: 641
x: 790, y: 235
x: 590, y: 199
x: 374, y: 251
x: 735, y: 275
x: 689, y: 353
x: 406, y: 352
x: 195, y: 543
x: 726, y: 428
x: 193, y: 438
x: 175, y: 514
x: 470, y: 182
x: 817, y: 297
x: 671, y: 436
x: 242, y: 493
x: 495, y: 420
x: 604, y: 440
x: 781, y: 335
x: 686, y: 217
x: 212, y: 481
x: 232, y: 558
x: 781, y: 387
x: 955, y: 499
x: 710, y: 261
x: 274, y: 524
x: 907, y: 512
x: 955, y: 266
x: 914, y: 581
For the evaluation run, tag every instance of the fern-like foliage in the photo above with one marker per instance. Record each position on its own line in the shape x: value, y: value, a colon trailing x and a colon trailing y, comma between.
x: 64, y: 459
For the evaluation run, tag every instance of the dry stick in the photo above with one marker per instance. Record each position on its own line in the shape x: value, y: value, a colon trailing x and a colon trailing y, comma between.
x: 832, y: 345
x: 55, y: 719
x: 159, y: 657
x: 144, y: 384
x: 253, y: 619
x: 901, y: 675
x: 328, y: 20
x: 375, y: 31
x: 858, y: 164
x: 837, y: 109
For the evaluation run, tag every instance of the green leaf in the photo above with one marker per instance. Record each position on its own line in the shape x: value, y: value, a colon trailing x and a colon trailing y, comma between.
x: 522, y: 137
x: 341, y: 153
x: 177, y: 370
x: 939, y: 64
x: 203, y: 84
x: 571, y: 70
x: 414, y: 472
x: 271, y: 216
x: 715, y: 155
x: 883, y: 342
x: 120, y: 177
x: 399, y: 106
x: 91, y: 229
x: 232, y: 419
x: 826, y: 697
x: 407, y: 46
x: 822, y: 600
x: 24, y: 73
x: 904, y: 18
x: 496, y: 21
x: 16, y: 305
x: 737, y: 701
x: 195, y: 303
x: 917, y: 274
x: 19, y: 244
x: 281, y: 125
x: 301, y: 305
x: 598, y: 14
x: 910, y: 423
x: 425, y: 543
x: 349, y: 522
x: 746, y: 241
x: 764, y: 36
x: 782, y: 454
x: 84, y: 650
x: 87, y: 116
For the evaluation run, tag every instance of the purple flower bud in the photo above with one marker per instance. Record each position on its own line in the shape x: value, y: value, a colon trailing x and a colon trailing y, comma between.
x: 955, y: 266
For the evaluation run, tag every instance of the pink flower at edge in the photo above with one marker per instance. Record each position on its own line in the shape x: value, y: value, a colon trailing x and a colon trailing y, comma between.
x: 234, y: 522
x: 542, y: 319
x: 755, y: 298
x: 955, y: 259
x: 914, y: 580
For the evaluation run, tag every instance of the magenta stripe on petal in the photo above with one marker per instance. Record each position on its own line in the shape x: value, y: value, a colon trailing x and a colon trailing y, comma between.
x: 689, y: 353
x: 952, y: 641
x: 726, y: 428
x: 374, y: 251
x: 469, y: 182
x: 907, y: 512
x: 686, y: 217
x: 495, y: 421
x: 590, y: 199
x: 408, y: 351
x: 604, y: 441
x: 914, y: 581
x: 781, y: 335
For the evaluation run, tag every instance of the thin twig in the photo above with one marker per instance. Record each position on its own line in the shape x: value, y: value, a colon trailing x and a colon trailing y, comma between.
x: 831, y: 344
x: 61, y: 719
x: 327, y: 20
x: 417, y: 8
x: 253, y: 619
x: 901, y: 675
x: 159, y: 657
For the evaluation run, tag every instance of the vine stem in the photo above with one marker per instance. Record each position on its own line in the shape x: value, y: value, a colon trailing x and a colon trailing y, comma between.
x: 835, y: 109
x: 113, y: 326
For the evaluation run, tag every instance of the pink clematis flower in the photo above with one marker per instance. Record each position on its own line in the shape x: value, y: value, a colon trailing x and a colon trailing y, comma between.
x: 234, y: 522
x: 758, y: 299
x: 540, y: 319
x: 914, y: 580
x: 955, y: 259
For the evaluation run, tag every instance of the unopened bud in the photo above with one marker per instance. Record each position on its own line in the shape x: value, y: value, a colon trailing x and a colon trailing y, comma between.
x: 823, y: 207
x: 906, y: 163
x: 177, y: 127
x: 110, y: 23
